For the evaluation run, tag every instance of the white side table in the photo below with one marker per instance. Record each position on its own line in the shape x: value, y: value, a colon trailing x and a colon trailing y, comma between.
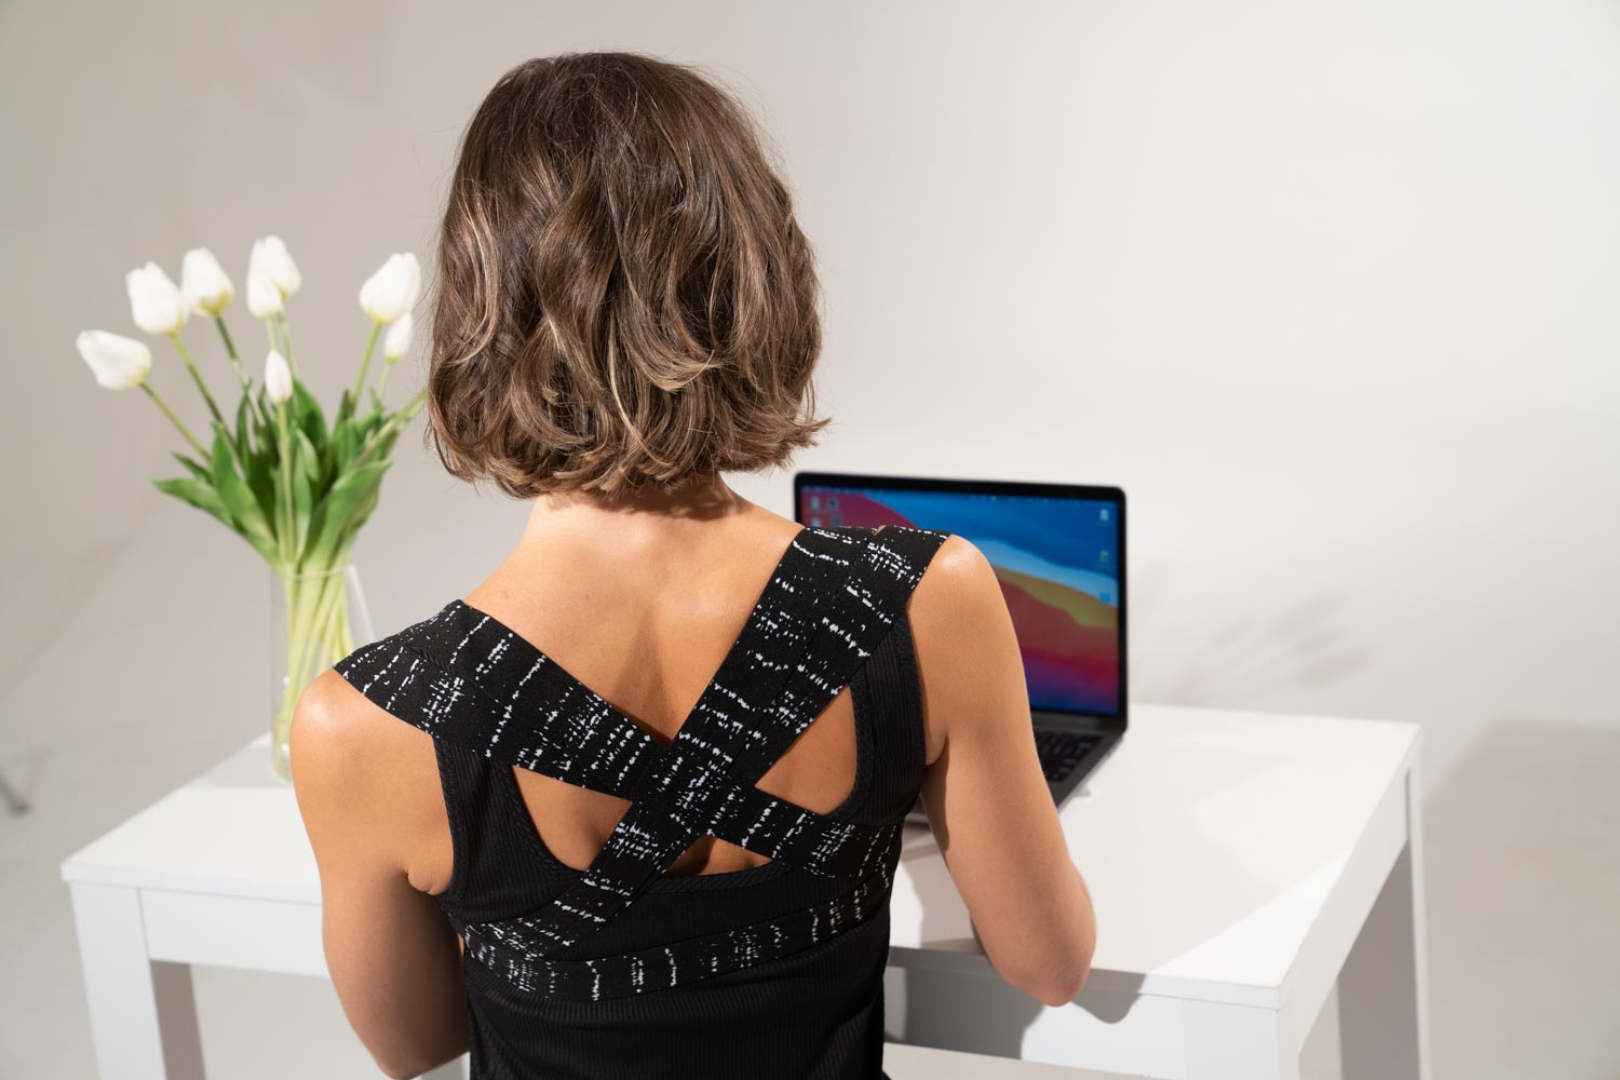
x: 1239, y: 863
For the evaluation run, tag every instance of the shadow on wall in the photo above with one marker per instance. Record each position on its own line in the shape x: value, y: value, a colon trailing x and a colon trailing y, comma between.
x: 1523, y: 889
x: 1258, y: 653
x: 58, y: 596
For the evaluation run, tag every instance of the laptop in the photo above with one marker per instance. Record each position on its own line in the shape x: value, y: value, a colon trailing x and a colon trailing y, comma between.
x: 1059, y: 551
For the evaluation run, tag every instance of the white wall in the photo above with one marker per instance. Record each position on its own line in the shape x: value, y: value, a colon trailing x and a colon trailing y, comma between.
x: 1324, y: 287
x: 1327, y: 288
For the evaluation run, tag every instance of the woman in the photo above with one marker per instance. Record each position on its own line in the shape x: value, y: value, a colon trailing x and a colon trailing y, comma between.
x: 643, y: 816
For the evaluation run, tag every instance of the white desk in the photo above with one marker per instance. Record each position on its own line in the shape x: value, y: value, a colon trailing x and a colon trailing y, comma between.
x: 1239, y: 862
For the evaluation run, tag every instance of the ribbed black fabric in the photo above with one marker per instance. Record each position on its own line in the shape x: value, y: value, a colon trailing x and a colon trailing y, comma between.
x: 775, y: 970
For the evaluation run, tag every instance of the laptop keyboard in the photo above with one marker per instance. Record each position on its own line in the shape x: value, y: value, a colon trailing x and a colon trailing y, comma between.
x: 1061, y: 751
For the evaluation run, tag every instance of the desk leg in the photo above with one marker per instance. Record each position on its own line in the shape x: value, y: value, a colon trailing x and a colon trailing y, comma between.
x: 143, y: 1016
x: 1237, y: 1042
x: 1383, y: 987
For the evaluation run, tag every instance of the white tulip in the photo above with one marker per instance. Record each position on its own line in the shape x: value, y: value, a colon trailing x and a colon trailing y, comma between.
x: 204, y: 284
x: 277, y: 378
x: 270, y: 255
x: 155, y: 301
x: 263, y: 298
x: 119, y: 363
x: 397, y: 342
x: 392, y: 290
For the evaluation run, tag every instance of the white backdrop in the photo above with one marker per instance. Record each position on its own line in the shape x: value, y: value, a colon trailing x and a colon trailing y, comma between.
x: 1328, y: 289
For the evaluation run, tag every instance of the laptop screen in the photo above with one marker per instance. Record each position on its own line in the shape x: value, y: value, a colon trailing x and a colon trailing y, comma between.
x: 1058, y: 560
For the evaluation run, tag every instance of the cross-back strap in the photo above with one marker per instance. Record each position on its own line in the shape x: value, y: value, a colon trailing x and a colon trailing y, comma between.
x: 465, y: 678
x: 416, y: 687
x: 460, y: 677
x: 585, y: 747
x: 676, y: 804
x: 659, y: 967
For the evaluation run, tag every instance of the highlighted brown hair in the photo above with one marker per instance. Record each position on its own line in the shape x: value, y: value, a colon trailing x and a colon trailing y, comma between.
x: 624, y: 296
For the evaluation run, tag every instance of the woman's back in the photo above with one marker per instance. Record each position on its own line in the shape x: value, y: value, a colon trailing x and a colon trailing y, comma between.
x: 647, y: 632
x: 687, y: 896
x: 636, y: 776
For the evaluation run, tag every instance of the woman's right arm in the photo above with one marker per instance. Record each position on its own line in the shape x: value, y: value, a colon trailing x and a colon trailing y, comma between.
x: 987, y: 800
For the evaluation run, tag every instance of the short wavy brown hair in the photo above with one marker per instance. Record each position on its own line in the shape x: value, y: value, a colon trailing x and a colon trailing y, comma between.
x: 624, y: 297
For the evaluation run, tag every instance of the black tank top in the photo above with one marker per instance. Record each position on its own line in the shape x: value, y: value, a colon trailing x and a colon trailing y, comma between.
x: 620, y: 972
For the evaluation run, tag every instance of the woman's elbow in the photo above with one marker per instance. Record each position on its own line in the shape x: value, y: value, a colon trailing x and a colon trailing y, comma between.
x: 410, y: 1070
x: 1073, y: 976
x: 398, y: 1072
x: 1066, y: 990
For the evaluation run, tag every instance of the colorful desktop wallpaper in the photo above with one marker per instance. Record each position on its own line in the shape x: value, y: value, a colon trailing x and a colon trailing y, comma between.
x: 1057, y: 560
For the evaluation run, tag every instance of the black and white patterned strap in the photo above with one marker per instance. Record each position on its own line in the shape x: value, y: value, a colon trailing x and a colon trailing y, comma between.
x: 661, y: 967
x: 466, y: 678
x: 759, y: 701
x: 407, y: 682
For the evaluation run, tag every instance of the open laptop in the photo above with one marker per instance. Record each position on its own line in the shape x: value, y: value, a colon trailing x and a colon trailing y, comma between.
x: 1059, y: 551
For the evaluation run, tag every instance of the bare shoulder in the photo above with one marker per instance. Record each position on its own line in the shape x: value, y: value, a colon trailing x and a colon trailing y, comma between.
x: 363, y: 778
x: 959, y: 584
x: 338, y: 730
x: 960, y: 628
x: 334, y: 725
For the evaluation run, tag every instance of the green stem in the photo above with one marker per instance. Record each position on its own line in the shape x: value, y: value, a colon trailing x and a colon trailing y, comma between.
x: 281, y: 722
x: 289, y: 552
x: 319, y: 594
x: 327, y: 617
x: 342, y: 643
x: 302, y: 618
x: 310, y: 593
x: 230, y: 351
x: 241, y: 374
x: 286, y: 340
x: 383, y: 431
x: 312, y: 603
x: 382, y: 383
x: 365, y: 361
x: 164, y: 405
x: 230, y: 444
x: 196, y: 376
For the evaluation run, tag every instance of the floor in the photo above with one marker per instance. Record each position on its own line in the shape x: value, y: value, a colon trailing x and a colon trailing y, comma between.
x: 1522, y: 880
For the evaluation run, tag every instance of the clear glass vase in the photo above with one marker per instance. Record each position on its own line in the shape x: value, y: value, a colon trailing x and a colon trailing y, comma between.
x: 317, y: 618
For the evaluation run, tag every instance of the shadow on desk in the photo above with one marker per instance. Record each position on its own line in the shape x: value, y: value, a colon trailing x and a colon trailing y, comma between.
x: 1001, y: 1014
x: 1148, y: 840
x: 926, y: 1010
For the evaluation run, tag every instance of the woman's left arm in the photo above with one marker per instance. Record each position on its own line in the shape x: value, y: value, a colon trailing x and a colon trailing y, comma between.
x: 394, y: 958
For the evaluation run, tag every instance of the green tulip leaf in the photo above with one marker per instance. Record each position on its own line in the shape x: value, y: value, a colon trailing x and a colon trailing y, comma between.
x: 309, y: 460
x: 335, y: 474
x: 412, y: 407
x: 244, y: 429
x: 199, y: 493
x: 333, y: 519
x: 239, y: 498
x: 261, y: 475
x: 348, y: 445
x: 303, y: 501
x: 362, y: 513
x: 195, y: 469
x: 307, y: 415
x: 264, y: 433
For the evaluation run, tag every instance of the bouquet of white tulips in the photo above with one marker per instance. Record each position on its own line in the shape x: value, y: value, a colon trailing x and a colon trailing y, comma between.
x: 273, y: 471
